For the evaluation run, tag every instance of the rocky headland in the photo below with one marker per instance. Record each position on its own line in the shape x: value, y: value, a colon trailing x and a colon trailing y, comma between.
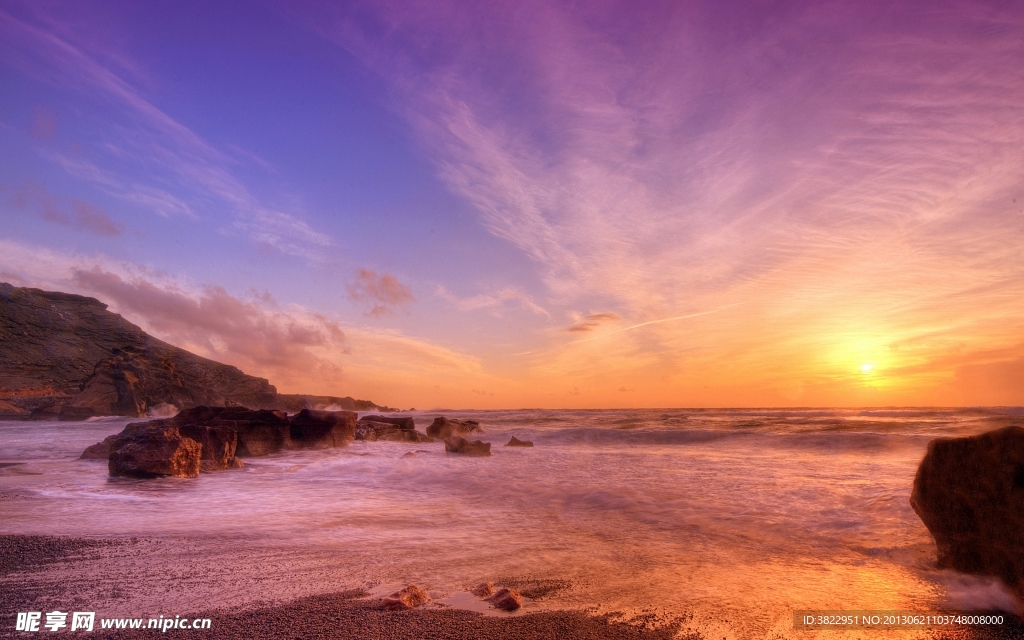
x: 65, y: 356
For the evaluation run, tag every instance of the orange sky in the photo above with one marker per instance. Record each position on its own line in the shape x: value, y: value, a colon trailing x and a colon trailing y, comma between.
x: 674, y: 206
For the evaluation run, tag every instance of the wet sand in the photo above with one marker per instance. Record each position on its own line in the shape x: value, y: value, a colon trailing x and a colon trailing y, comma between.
x: 128, y: 577
x: 41, y: 573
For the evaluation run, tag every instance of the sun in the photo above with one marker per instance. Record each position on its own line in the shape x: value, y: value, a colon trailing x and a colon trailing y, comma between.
x: 866, y: 367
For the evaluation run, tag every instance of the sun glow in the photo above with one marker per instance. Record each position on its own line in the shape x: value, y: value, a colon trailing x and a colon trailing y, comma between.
x: 866, y: 367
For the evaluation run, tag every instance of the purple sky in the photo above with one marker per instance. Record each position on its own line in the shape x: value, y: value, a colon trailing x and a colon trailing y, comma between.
x: 535, y: 204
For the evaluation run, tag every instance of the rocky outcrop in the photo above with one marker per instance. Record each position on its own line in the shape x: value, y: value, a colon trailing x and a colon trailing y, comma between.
x: 969, y: 492
x: 294, y: 403
x: 218, y: 444
x: 405, y: 599
x: 406, y: 424
x: 516, y: 442
x: 373, y: 428
x: 506, y: 599
x: 260, y: 432
x: 322, y: 429
x: 461, y: 446
x: 445, y: 428
x: 10, y: 411
x: 152, y: 451
x: 66, y: 357
x: 220, y: 434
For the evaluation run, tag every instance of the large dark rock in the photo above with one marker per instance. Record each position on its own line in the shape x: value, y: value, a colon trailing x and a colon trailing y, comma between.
x: 969, y: 492
x: 389, y: 432
x: 322, y: 429
x: 407, y: 424
x: 145, y: 450
x: 445, y: 428
x: 260, y: 432
x: 461, y: 446
x: 218, y: 443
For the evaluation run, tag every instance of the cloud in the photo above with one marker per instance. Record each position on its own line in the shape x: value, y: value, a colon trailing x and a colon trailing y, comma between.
x: 145, y: 156
x: 384, y: 291
x: 219, y: 323
x: 840, y: 177
x: 491, y: 301
x: 591, y: 322
x: 297, y: 349
x: 94, y: 219
x: 82, y: 215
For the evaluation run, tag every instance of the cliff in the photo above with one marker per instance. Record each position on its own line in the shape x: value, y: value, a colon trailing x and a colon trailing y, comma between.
x: 64, y: 355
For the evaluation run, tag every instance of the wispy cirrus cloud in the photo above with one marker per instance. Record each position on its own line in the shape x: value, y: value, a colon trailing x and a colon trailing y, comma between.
x: 492, y: 301
x: 593, y: 321
x: 849, y: 179
x: 181, y: 172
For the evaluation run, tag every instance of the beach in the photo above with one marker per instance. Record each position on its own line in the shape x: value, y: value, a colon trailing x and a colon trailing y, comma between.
x: 351, y: 614
x: 717, y: 524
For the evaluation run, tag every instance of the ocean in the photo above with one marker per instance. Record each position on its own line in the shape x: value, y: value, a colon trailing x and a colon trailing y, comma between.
x: 728, y: 520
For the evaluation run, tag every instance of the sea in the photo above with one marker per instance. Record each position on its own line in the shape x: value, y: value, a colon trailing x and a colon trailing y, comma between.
x: 724, y: 521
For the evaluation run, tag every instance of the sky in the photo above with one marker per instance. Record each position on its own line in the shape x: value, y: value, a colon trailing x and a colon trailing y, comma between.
x: 535, y: 204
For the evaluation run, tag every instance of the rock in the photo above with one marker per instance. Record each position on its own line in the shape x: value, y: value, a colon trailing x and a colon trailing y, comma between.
x: 407, y: 424
x: 264, y: 433
x: 151, y: 451
x: 445, y: 428
x: 516, y: 442
x: 219, y: 443
x: 321, y: 429
x: 70, y: 413
x: 969, y: 492
x: 207, y: 466
x: 483, y: 589
x: 48, y: 412
x: 461, y: 446
x: 259, y: 432
x: 407, y: 598
x: 506, y: 599
x: 372, y: 431
x: 98, y: 451
x: 11, y: 411
x: 294, y: 403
